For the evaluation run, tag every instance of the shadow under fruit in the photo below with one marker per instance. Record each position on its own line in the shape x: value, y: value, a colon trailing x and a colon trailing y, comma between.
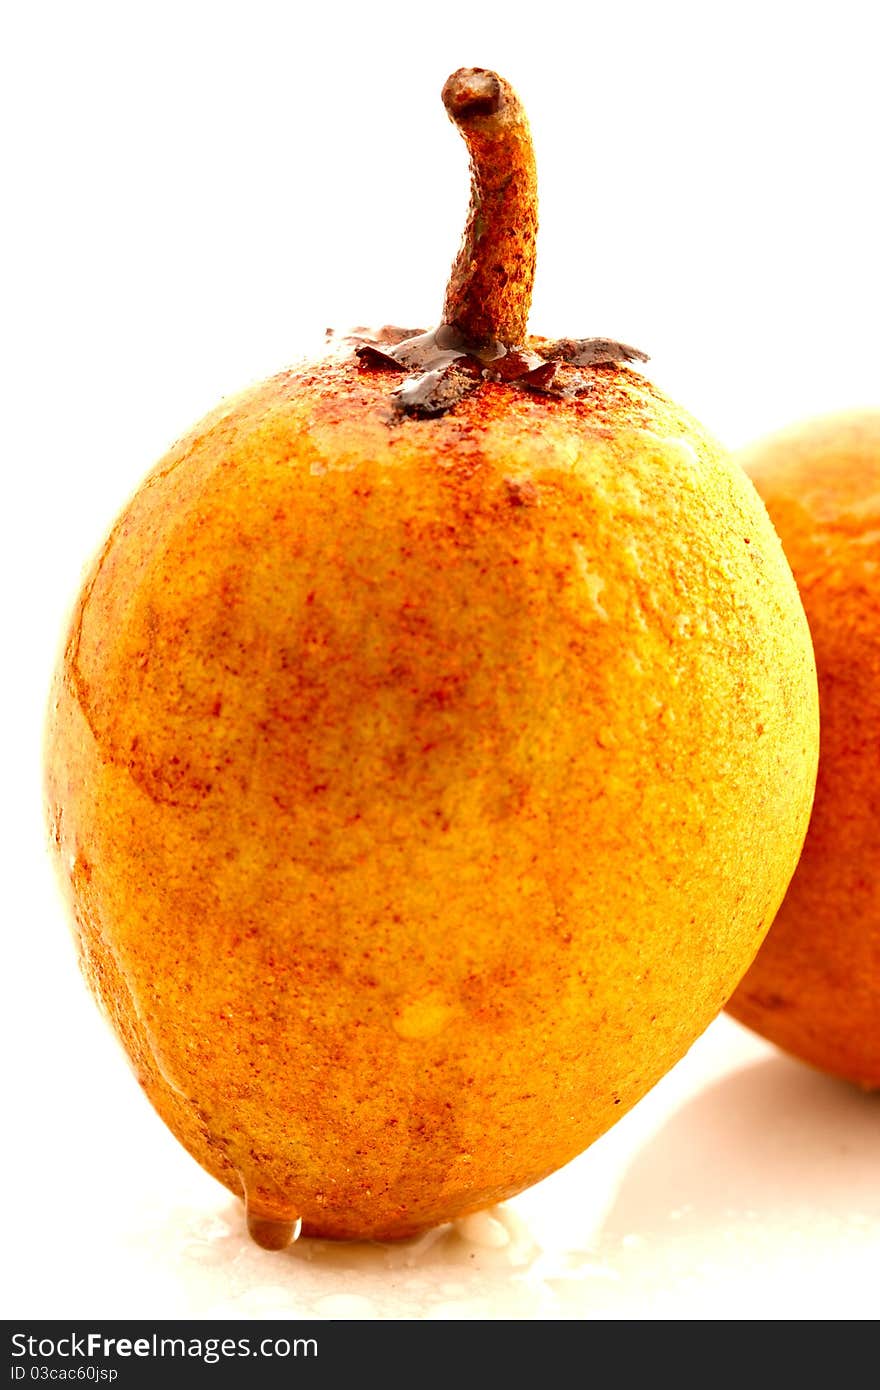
x: 433, y: 743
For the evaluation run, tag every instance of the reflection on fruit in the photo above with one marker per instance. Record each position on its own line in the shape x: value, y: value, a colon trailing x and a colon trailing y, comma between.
x: 815, y: 987
x: 433, y: 743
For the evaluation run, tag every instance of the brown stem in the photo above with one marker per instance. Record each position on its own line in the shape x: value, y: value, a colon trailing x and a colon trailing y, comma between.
x: 490, y: 286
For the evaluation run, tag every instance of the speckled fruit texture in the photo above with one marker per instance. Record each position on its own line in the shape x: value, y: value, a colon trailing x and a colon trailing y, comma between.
x: 815, y: 987
x: 421, y: 789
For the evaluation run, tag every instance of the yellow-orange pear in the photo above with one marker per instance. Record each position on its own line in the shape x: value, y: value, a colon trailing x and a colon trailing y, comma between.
x: 433, y: 743
x: 815, y: 986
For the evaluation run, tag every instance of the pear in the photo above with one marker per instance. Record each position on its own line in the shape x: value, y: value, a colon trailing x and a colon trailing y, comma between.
x: 432, y: 745
x: 815, y: 986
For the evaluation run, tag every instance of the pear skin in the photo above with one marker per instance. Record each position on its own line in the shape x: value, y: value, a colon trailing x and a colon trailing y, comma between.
x: 421, y: 789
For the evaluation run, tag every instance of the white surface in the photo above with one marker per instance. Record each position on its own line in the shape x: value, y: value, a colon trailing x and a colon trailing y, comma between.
x: 743, y: 1187
x: 193, y: 192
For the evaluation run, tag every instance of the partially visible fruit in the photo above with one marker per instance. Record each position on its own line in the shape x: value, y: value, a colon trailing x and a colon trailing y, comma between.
x: 814, y: 988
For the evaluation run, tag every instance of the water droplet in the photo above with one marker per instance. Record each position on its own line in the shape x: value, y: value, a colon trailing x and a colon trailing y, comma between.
x: 424, y: 1016
x: 206, y: 1252
x: 480, y: 1228
x: 412, y: 1252
x: 213, y: 1227
x: 345, y: 1305
x: 272, y: 1234
x: 268, y: 1301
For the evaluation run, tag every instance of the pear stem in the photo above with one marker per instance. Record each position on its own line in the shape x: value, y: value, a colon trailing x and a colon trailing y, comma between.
x: 490, y: 285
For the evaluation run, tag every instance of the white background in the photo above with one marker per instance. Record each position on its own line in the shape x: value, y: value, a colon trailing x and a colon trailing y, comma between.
x: 192, y: 194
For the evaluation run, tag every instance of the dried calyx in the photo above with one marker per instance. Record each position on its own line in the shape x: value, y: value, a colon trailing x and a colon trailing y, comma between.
x: 483, y: 333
